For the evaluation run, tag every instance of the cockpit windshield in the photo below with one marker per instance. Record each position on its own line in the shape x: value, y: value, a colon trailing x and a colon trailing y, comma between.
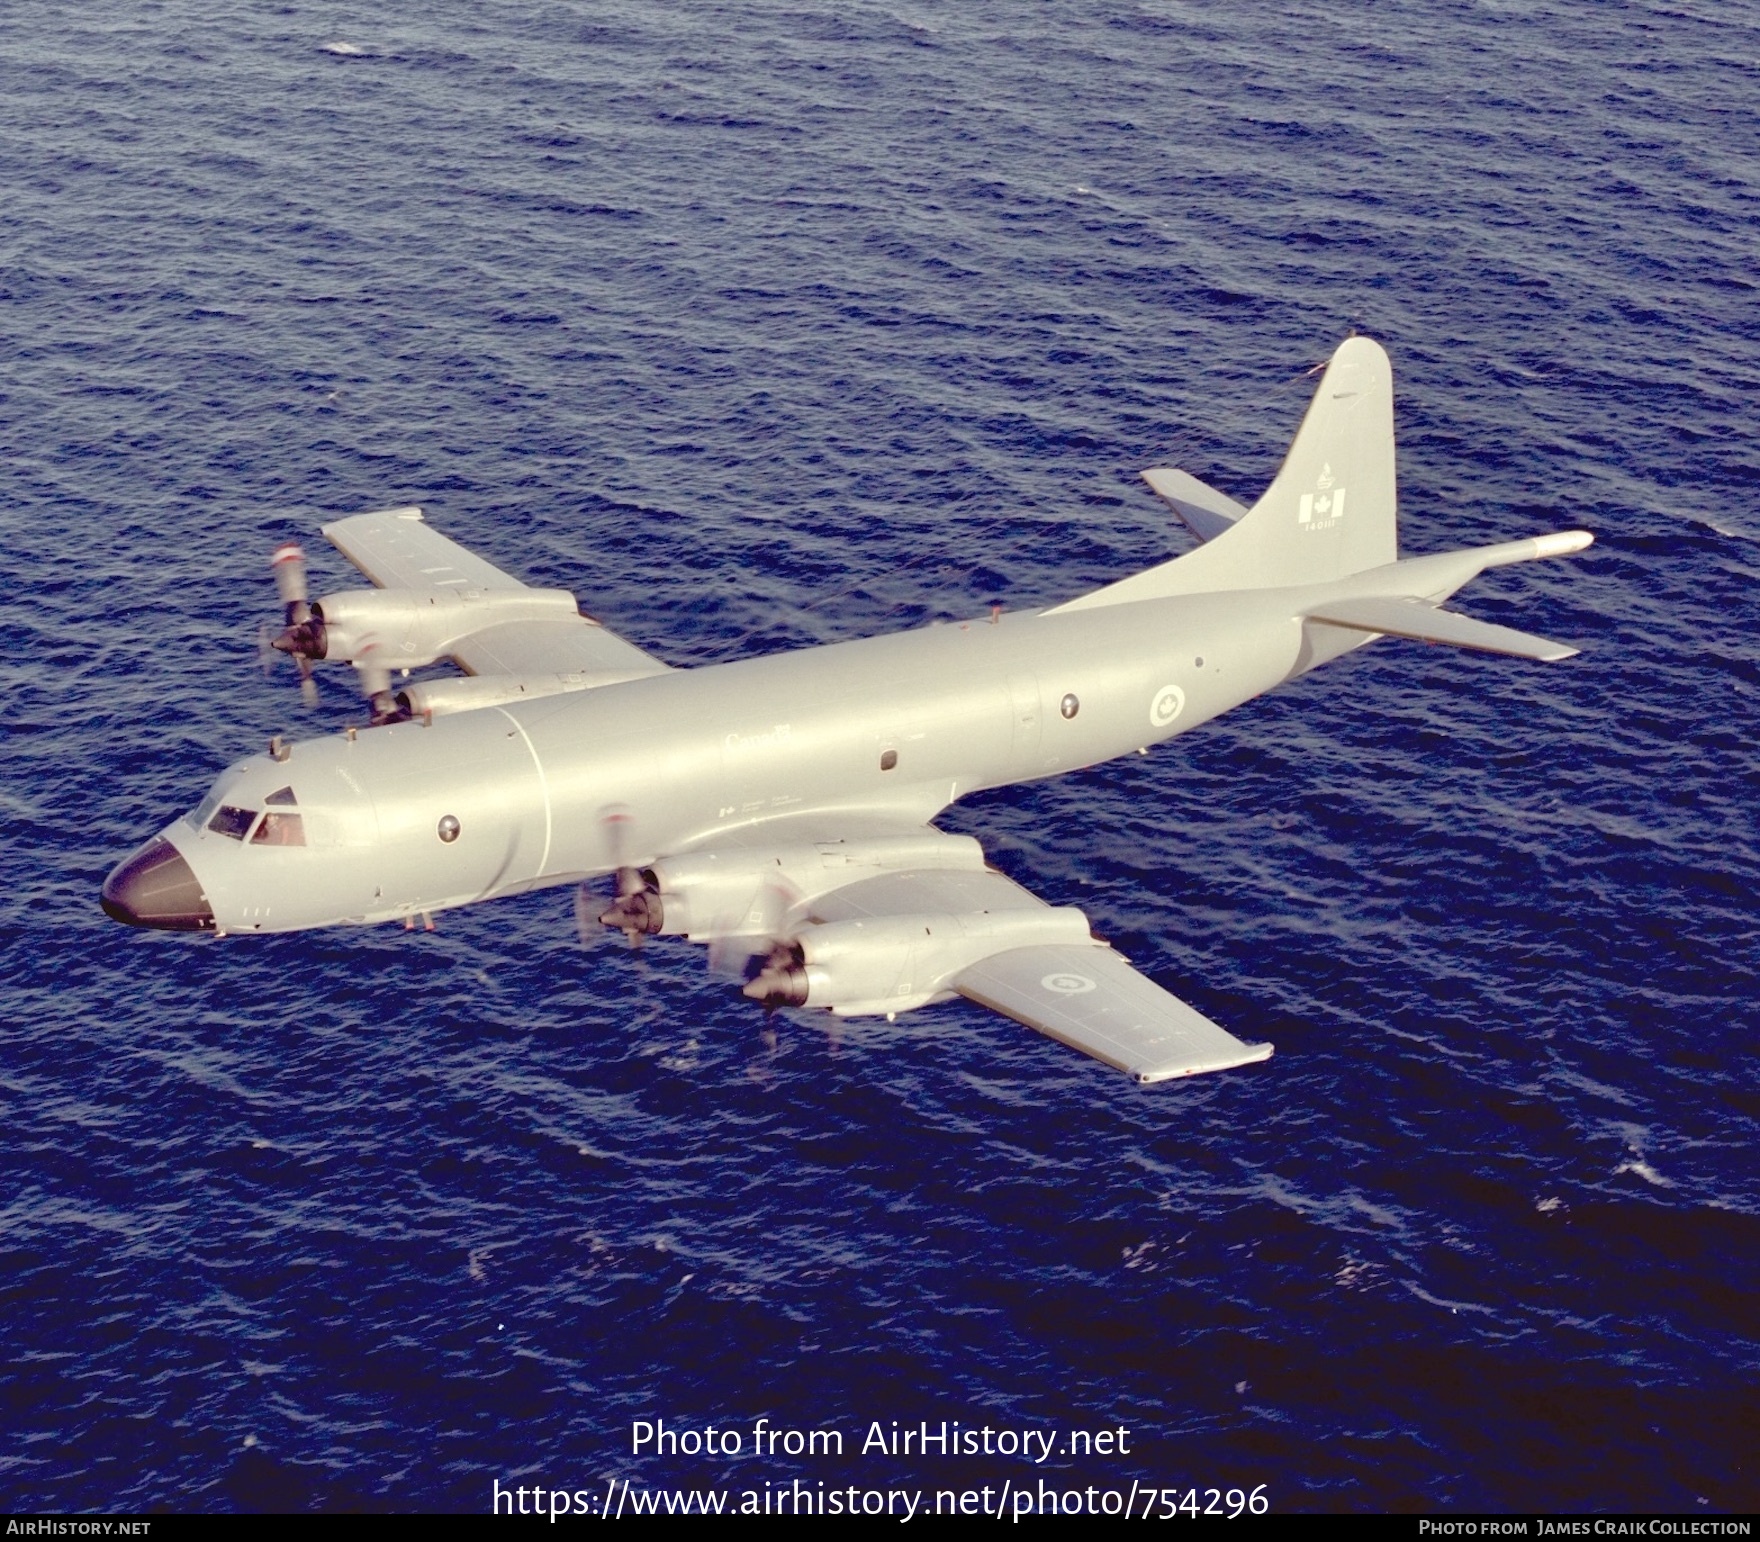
x: 280, y: 826
x: 199, y: 817
x: 279, y: 830
x: 231, y: 822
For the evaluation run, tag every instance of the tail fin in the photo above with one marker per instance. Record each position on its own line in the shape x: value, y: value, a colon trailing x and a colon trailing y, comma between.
x: 1333, y: 509
x: 1331, y: 512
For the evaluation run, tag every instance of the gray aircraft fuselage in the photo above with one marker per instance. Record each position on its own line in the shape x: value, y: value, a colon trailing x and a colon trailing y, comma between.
x: 881, y: 731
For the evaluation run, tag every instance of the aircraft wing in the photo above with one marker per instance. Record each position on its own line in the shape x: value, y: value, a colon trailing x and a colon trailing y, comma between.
x: 970, y: 892
x: 575, y: 645
x: 992, y: 941
x: 1092, y: 1000
x: 398, y: 549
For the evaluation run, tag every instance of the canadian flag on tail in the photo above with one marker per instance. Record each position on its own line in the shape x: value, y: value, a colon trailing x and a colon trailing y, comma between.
x: 1324, y: 505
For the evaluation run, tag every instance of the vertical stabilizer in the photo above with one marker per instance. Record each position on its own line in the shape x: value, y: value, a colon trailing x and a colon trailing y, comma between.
x: 1333, y: 509
x: 1331, y: 512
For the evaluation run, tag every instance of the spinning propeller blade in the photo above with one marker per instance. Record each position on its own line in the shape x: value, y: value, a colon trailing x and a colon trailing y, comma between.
x: 637, y: 910
x: 375, y: 678
x: 755, y: 933
x: 302, y: 634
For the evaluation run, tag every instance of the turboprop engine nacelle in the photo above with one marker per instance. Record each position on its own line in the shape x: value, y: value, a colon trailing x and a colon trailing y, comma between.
x: 407, y: 627
x: 436, y: 698
x: 895, y: 963
x: 750, y: 893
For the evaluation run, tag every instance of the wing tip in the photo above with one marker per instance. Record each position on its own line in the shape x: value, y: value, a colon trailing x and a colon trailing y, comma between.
x: 1252, y: 1054
x: 408, y: 511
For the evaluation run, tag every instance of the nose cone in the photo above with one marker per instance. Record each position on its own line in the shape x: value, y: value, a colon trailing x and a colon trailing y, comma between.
x: 155, y: 887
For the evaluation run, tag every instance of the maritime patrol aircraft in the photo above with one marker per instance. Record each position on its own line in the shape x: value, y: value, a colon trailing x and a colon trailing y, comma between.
x: 781, y: 809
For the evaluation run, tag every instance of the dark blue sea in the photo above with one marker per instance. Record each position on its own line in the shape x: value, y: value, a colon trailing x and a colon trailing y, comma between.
x: 764, y: 325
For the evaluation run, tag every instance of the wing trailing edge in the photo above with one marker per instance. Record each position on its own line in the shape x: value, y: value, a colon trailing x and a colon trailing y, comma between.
x: 398, y: 549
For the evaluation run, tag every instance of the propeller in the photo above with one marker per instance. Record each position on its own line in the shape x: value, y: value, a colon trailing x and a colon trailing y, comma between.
x: 637, y: 911
x: 304, y: 637
x: 303, y: 633
x: 781, y: 980
x: 757, y: 931
x: 770, y: 966
x: 375, y: 678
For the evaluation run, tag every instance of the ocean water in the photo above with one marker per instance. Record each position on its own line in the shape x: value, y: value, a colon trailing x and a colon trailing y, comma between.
x: 761, y: 325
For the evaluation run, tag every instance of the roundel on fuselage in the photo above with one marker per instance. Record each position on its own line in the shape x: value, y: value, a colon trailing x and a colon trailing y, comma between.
x: 1169, y: 702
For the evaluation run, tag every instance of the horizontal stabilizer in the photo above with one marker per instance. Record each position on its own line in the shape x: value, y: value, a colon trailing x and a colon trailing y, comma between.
x: 1206, y: 512
x: 1092, y: 1000
x: 1428, y: 623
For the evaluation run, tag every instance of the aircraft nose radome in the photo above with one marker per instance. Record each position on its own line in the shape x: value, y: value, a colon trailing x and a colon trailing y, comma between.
x: 155, y: 887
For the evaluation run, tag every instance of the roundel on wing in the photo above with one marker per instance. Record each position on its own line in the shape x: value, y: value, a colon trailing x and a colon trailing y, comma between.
x: 1169, y: 702
x: 1067, y: 983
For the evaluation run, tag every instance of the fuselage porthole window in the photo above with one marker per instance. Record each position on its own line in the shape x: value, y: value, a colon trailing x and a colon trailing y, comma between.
x: 233, y: 823
x: 280, y: 830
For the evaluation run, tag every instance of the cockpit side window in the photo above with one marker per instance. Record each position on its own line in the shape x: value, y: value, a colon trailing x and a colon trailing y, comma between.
x: 279, y: 830
x: 232, y: 822
x: 283, y: 796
